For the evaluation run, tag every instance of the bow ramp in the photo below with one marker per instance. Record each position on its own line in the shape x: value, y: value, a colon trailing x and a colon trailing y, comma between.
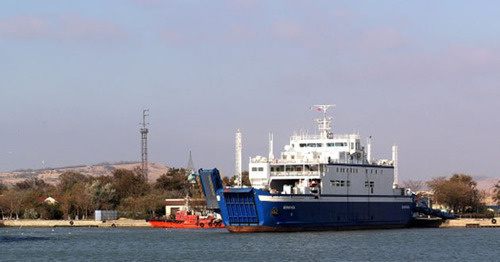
x: 210, y: 182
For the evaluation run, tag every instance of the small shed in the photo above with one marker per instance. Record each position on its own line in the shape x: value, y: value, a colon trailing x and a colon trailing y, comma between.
x: 102, y: 215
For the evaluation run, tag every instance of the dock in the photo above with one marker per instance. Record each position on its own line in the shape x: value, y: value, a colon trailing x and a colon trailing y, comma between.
x: 471, y: 223
x: 74, y: 223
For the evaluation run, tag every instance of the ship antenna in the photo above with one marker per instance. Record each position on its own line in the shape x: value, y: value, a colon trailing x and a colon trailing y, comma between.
x: 324, y: 124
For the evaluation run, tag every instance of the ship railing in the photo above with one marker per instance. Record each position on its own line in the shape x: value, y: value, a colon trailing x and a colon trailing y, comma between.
x: 295, y: 173
x: 296, y: 137
x: 288, y: 161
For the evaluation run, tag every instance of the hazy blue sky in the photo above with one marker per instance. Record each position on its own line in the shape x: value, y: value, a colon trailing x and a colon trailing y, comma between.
x: 75, y: 76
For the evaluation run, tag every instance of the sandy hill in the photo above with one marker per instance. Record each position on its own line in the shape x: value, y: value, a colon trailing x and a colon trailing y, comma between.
x: 51, y: 175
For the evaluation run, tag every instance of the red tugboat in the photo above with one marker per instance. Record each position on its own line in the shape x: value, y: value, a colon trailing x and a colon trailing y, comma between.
x: 185, y: 218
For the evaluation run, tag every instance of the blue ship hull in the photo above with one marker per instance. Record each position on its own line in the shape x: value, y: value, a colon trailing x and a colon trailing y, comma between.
x: 253, y: 210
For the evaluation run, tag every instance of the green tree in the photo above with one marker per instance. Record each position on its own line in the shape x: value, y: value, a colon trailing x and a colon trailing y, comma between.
x: 101, y: 195
x: 175, y: 180
x: 51, y: 211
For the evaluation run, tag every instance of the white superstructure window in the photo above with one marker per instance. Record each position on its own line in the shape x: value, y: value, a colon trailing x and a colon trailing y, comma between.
x: 340, y: 183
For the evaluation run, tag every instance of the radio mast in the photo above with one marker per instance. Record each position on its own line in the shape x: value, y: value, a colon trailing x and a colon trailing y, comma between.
x: 144, y: 139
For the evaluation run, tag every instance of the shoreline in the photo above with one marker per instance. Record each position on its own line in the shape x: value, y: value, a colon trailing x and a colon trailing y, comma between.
x: 74, y: 223
x: 470, y: 223
x: 455, y: 223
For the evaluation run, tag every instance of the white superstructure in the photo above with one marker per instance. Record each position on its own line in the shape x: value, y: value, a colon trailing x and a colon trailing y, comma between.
x: 324, y: 163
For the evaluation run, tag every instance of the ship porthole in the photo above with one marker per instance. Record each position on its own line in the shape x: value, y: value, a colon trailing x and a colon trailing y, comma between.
x: 274, y: 211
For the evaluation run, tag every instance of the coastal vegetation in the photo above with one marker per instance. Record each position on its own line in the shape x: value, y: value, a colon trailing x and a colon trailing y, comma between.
x: 496, y: 192
x: 459, y: 193
x: 76, y: 195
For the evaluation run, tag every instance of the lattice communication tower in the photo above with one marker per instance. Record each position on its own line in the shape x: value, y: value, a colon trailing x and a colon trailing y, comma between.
x: 144, y: 140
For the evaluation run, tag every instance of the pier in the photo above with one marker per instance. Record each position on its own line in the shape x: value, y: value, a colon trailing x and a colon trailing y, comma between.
x: 74, y: 223
x: 471, y: 223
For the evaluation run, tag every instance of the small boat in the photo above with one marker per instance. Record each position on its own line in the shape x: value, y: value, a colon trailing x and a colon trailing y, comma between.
x: 184, y: 219
x: 187, y: 218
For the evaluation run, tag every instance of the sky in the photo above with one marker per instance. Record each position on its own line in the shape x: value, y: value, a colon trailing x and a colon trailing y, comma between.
x: 75, y: 77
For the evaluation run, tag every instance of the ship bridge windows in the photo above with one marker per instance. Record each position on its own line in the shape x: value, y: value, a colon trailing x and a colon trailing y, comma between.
x: 255, y: 169
x: 310, y: 145
x: 338, y: 144
x: 277, y: 168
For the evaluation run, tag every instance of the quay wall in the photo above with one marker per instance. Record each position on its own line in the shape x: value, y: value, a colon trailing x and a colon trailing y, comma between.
x: 471, y: 222
x: 465, y: 222
x: 74, y: 223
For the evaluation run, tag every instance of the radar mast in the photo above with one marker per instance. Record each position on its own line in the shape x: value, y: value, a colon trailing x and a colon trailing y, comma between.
x: 324, y: 124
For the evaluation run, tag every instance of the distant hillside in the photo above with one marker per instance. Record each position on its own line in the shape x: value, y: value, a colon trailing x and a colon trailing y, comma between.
x: 51, y: 175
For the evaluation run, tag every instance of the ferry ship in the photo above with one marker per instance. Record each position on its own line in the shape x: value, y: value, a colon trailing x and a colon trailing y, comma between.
x: 319, y: 182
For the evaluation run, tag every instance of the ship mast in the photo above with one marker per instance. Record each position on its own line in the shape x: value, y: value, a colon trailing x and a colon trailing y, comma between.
x: 324, y: 124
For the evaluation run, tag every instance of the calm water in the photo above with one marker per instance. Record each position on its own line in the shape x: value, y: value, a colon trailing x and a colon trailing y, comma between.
x: 147, y: 244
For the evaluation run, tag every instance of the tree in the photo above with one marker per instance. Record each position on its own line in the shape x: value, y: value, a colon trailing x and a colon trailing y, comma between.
x: 226, y: 181
x: 68, y: 180
x: 101, y: 195
x: 245, y: 180
x: 11, y: 203
x: 496, y: 192
x: 174, y: 180
x: 459, y: 193
x: 35, y: 184
x: 82, y: 201
x: 51, y: 211
x: 414, y: 185
x: 70, y: 187
x: 129, y: 183
x: 3, y: 187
